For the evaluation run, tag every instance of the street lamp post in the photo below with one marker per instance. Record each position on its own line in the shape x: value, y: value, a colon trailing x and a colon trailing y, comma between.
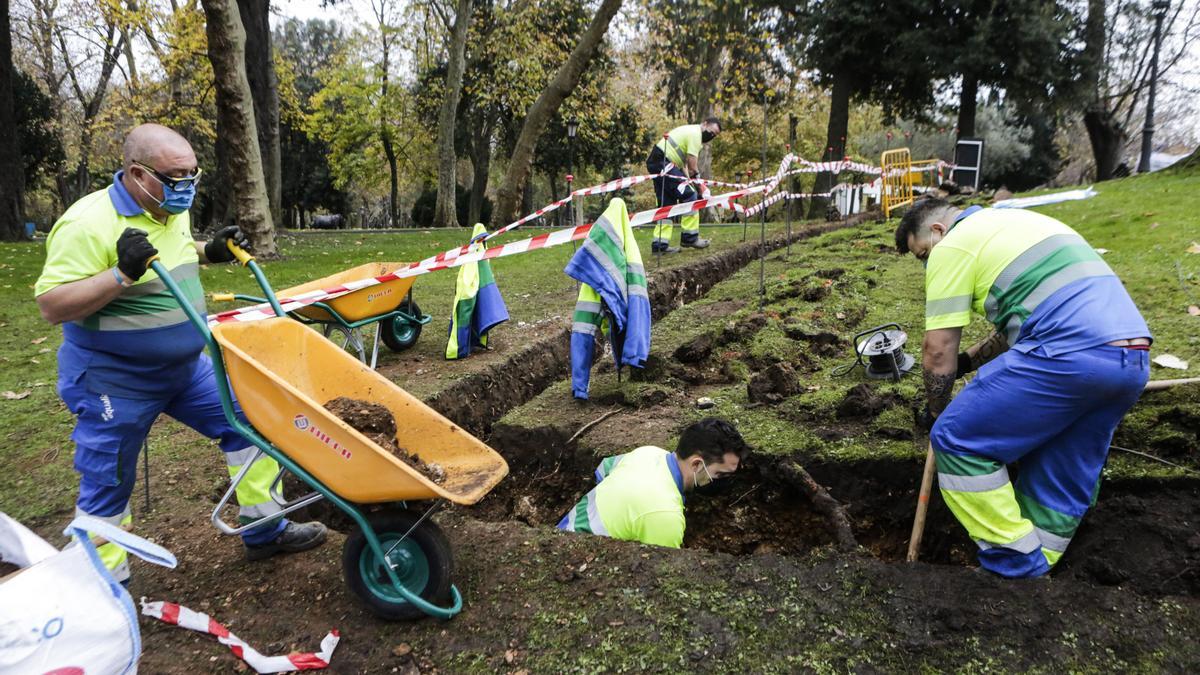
x: 1159, y: 8
x: 572, y: 128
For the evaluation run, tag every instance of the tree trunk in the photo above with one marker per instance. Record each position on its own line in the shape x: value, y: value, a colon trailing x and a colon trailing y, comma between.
x: 839, y: 121
x: 444, y: 211
x: 235, y: 122
x: 481, y: 161
x: 12, y: 176
x: 543, y: 109
x: 1105, y: 132
x: 389, y: 151
x: 967, y: 99
x: 264, y: 87
x: 714, y: 69
x: 1108, y: 141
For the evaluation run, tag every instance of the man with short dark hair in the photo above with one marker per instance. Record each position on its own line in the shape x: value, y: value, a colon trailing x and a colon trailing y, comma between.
x: 1068, y: 358
x: 129, y: 353
x: 678, y: 152
x: 639, y: 496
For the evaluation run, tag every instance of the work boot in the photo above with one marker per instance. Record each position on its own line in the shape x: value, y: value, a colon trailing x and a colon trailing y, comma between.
x: 695, y: 243
x: 295, y: 537
x: 665, y: 249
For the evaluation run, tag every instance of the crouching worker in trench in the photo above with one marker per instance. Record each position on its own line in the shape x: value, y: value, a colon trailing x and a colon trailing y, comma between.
x: 639, y: 496
x: 1068, y: 358
x: 129, y: 353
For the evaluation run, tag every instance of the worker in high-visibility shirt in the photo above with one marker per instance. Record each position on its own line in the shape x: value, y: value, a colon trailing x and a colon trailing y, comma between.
x: 639, y: 495
x: 679, y: 152
x: 130, y: 354
x: 1069, y: 356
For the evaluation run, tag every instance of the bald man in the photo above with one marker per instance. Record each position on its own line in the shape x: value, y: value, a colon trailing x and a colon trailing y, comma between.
x: 129, y: 353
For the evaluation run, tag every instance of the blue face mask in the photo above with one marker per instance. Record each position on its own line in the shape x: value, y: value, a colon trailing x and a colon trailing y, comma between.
x: 175, y: 200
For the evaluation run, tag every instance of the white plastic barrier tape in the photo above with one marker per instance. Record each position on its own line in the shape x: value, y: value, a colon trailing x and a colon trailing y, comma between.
x: 264, y: 311
x: 178, y: 615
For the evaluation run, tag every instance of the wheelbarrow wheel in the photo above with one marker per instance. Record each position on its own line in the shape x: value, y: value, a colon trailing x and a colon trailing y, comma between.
x: 399, y: 333
x: 423, y: 560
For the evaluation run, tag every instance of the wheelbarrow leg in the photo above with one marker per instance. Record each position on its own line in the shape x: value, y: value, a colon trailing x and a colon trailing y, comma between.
x: 375, y: 346
x: 233, y: 485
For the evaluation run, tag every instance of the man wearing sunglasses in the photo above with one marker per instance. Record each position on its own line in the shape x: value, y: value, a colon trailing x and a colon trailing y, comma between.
x: 639, y: 496
x: 129, y: 353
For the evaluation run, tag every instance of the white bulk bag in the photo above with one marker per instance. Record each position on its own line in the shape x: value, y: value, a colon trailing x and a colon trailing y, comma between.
x: 63, y: 612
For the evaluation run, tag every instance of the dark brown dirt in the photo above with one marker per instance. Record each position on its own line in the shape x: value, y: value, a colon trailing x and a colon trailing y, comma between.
x: 774, y: 384
x: 376, y: 423
x: 863, y: 402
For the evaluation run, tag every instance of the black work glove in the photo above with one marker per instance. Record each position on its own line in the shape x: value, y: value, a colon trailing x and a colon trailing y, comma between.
x: 217, y: 250
x: 924, y: 419
x: 964, y: 365
x: 134, y: 252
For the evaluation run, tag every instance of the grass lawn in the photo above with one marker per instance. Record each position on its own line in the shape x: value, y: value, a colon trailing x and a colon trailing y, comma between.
x: 1146, y: 223
x: 35, y: 427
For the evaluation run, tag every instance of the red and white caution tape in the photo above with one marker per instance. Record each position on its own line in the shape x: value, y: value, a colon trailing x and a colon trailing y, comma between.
x: 178, y: 615
x: 662, y: 213
x: 264, y: 311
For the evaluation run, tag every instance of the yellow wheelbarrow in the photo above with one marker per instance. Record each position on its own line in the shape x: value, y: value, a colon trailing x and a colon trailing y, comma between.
x: 390, y: 306
x: 398, y: 562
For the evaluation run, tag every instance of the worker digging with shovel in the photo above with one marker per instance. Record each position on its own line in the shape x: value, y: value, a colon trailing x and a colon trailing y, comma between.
x: 1068, y: 358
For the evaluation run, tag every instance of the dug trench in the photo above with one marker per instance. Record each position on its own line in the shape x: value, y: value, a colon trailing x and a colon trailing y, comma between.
x: 1142, y: 534
x: 477, y: 401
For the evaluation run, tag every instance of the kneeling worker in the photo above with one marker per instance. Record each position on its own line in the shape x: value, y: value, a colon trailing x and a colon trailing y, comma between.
x: 1066, y: 361
x: 640, y: 494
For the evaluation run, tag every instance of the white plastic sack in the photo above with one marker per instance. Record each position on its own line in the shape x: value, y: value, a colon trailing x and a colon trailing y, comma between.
x: 64, y: 612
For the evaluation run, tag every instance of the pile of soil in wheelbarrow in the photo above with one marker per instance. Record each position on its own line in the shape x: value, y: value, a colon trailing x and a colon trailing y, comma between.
x: 376, y: 423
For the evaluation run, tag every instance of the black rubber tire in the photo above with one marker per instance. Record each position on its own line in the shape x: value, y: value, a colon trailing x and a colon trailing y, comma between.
x: 433, y: 544
x: 399, y: 334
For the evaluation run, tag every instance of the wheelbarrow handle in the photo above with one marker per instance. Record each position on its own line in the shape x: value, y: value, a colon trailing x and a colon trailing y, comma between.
x: 243, y: 256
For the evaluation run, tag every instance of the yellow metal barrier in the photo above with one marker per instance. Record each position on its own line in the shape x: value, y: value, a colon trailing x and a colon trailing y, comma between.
x: 924, y: 174
x: 897, y: 180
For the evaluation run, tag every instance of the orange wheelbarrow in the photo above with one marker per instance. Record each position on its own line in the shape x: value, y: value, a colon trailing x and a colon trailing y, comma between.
x: 398, y: 562
x: 390, y: 306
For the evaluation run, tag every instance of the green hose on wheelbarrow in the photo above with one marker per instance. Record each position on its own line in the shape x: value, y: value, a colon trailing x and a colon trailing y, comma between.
x: 398, y: 562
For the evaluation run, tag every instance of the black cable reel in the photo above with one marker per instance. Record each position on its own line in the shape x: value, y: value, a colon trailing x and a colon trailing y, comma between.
x: 881, y: 353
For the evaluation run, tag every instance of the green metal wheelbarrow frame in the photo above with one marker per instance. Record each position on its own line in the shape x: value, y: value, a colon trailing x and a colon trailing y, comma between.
x: 350, y: 329
x: 266, y: 447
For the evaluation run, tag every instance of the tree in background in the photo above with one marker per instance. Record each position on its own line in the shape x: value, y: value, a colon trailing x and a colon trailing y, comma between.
x: 859, y: 52
x: 547, y: 103
x: 236, y: 125
x: 1019, y: 46
x: 709, y: 55
x: 1114, y: 69
x: 264, y: 90
x: 12, y: 174
x: 444, y: 211
x: 302, y: 51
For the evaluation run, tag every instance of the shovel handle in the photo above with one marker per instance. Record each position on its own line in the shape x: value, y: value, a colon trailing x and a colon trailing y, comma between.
x: 918, y: 529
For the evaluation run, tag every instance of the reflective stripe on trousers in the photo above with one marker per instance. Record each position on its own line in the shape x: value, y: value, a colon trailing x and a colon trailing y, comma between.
x: 254, y: 492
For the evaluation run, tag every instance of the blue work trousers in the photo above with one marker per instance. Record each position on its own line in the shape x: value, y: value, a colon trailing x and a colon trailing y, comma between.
x: 1056, y: 415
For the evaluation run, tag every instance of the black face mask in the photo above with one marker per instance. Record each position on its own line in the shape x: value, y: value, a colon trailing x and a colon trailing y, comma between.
x: 706, y: 136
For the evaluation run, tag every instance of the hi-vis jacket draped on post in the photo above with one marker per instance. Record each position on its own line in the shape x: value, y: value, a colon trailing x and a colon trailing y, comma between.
x: 135, y: 358
x: 674, y: 149
x: 638, y: 497
x: 609, y: 265
x: 478, y: 306
x: 1051, y: 401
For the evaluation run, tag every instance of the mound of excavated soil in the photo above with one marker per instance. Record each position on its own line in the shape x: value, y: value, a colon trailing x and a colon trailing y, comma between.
x: 376, y: 423
x: 773, y: 384
x: 862, y: 401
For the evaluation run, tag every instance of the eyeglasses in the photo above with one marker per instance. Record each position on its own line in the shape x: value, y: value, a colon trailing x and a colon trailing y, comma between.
x: 184, y: 183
